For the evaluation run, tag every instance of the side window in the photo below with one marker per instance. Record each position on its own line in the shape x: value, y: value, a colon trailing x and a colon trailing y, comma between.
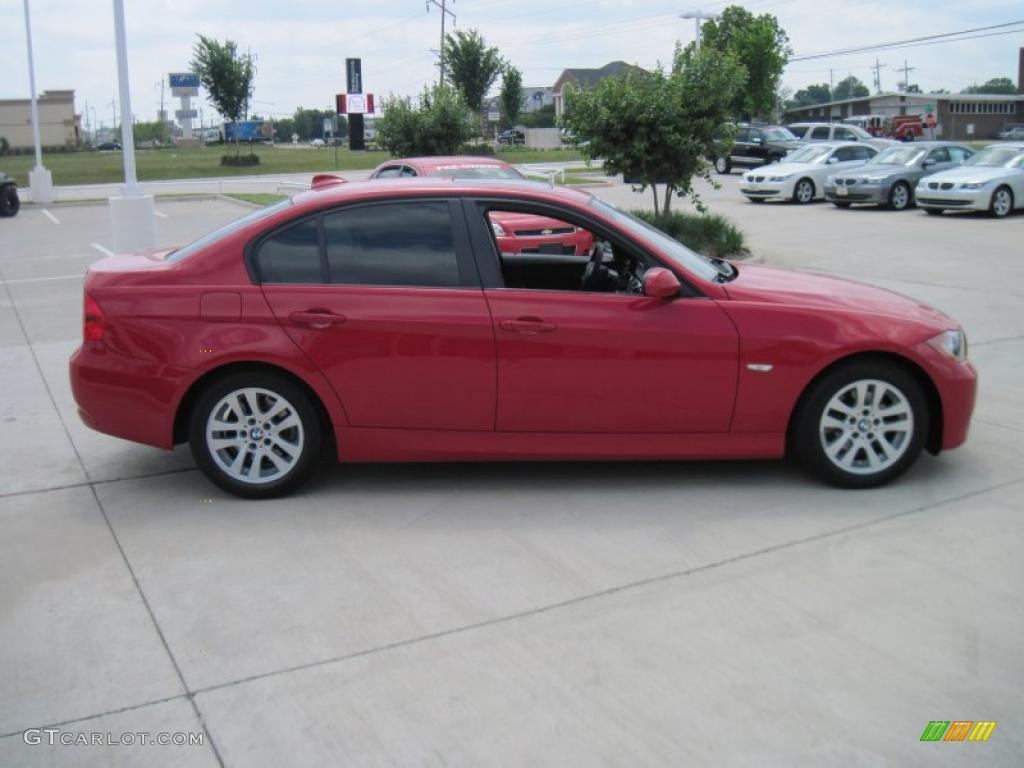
x: 742, y: 134
x: 939, y: 155
x: 844, y: 134
x: 844, y: 154
x: 406, y: 243
x: 407, y: 171
x: 863, y: 153
x: 390, y: 172
x: 757, y: 136
x: 291, y: 255
x: 820, y: 132
x: 959, y: 154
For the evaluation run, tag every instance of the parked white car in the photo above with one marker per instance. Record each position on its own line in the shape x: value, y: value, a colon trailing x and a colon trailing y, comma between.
x: 801, y: 175
x: 838, y: 132
x: 317, y: 143
x: 992, y: 180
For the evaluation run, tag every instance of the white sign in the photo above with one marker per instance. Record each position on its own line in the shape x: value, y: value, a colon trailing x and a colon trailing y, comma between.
x: 186, y: 113
x: 328, y: 125
x: 356, y: 103
x: 970, y: 129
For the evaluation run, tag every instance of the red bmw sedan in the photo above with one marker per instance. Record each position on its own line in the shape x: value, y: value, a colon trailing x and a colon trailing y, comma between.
x: 516, y: 233
x: 384, y: 321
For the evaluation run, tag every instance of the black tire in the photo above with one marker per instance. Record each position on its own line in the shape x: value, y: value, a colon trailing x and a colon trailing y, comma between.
x: 797, y: 191
x: 9, y: 202
x: 900, y: 197
x: 306, y: 441
x: 774, y: 159
x: 841, y: 205
x: 996, y: 207
x: 809, y: 431
x: 756, y: 199
x: 723, y: 165
x: 934, y: 211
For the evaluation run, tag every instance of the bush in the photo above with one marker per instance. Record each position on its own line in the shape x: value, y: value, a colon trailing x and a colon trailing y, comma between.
x: 5, y: 146
x: 439, y: 125
x: 706, y: 233
x: 239, y: 161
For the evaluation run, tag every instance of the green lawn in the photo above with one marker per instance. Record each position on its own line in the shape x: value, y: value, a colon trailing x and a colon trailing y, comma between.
x: 257, y: 198
x: 155, y: 164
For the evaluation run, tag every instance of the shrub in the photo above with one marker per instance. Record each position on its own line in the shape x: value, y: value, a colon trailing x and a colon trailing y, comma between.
x: 707, y: 233
x: 5, y: 146
x: 239, y: 161
x: 439, y: 125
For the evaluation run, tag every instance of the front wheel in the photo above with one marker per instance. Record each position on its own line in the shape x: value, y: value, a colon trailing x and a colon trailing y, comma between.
x: 900, y: 197
x: 255, y: 434
x: 803, y: 192
x: 722, y: 165
x: 861, y: 425
x: 1002, y: 202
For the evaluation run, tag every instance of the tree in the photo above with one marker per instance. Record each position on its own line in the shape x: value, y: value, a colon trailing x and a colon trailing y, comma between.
x: 850, y: 88
x: 812, y: 94
x: 657, y: 128
x: 226, y: 75
x: 539, y: 118
x: 439, y: 125
x: 472, y: 67
x: 1002, y: 85
x: 913, y: 88
x: 763, y: 47
x: 511, y: 96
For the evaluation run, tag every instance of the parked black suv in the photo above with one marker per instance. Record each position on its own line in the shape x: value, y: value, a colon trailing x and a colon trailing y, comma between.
x: 755, y: 145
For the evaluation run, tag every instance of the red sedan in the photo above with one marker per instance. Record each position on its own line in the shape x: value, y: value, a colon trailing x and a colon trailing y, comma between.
x: 381, y: 320
x: 516, y: 233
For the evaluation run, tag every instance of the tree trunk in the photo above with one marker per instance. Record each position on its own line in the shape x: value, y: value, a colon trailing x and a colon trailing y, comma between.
x: 654, y: 189
x: 668, y: 197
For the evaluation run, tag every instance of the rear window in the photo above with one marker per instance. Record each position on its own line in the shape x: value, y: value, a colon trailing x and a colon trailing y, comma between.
x: 476, y: 172
x: 211, y: 238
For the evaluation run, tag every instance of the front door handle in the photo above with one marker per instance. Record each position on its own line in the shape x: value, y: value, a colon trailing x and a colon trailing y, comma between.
x: 528, y: 325
x: 316, y: 318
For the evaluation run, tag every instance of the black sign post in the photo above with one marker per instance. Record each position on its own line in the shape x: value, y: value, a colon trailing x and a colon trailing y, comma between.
x: 354, y: 81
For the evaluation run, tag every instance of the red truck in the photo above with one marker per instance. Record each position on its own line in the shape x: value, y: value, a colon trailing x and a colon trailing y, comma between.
x: 906, y: 127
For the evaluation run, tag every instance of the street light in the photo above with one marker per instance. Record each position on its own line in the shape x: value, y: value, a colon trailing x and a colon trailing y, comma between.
x: 40, y: 180
x: 697, y: 17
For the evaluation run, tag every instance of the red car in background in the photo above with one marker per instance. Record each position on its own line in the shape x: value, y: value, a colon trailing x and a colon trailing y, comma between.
x: 380, y: 321
x: 515, y: 233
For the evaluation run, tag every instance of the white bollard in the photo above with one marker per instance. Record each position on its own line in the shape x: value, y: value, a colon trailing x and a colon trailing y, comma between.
x: 40, y: 181
x: 133, y: 221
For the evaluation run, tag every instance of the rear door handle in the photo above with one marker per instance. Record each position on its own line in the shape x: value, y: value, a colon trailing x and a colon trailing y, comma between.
x: 528, y: 325
x: 316, y: 318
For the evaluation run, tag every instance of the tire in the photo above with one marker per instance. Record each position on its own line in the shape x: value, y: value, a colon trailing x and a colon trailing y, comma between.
x: 841, y: 205
x: 862, y: 454
x: 900, y: 197
x: 934, y: 211
x: 1001, y: 205
x: 723, y: 165
x: 9, y: 202
x: 772, y: 159
x: 295, y: 448
x: 756, y: 199
x: 803, y: 192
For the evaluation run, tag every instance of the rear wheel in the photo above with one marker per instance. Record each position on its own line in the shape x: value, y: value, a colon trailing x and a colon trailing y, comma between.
x: 1002, y: 202
x: 9, y: 202
x: 861, y: 425
x: 255, y: 434
x: 722, y: 165
x: 803, y: 192
x: 900, y: 197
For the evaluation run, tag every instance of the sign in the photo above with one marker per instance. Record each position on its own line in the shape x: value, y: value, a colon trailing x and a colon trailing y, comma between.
x: 354, y: 103
x: 267, y: 129
x: 183, y: 79
x: 930, y: 119
x: 970, y: 129
x: 328, y: 126
x: 354, y: 75
x: 191, y: 114
x: 243, y: 130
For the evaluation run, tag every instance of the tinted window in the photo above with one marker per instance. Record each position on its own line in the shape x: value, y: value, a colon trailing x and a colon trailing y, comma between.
x: 291, y: 255
x: 407, y: 171
x: 821, y: 132
x: 958, y: 154
x: 391, y: 172
x: 863, y: 153
x: 844, y: 154
x: 742, y: 134
x: 392, y: 244
x: 939, y: 155
x: 844, y: 134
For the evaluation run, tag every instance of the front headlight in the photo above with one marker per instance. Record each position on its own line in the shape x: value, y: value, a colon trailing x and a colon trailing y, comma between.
x: 952, y: 344
x: 973, y: 184
x: 780, y: 178
x: 875, y: 179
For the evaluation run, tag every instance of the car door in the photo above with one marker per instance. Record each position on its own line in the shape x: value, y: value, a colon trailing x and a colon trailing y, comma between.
x: 575, y: 361
x: 383, y: 297
x: 937, y: 160
x: 741, y: 146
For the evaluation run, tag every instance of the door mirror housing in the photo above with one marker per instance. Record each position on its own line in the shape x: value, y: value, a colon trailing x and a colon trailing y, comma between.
x: 660, y: 283
x: 929, y: 163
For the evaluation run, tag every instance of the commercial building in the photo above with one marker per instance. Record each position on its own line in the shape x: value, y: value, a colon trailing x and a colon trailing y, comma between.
x: 58, y: 123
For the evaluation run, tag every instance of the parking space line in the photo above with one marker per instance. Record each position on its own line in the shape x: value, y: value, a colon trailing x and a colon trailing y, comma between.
x: 101, y: 249
x: 50, y: 216
x: 41, y: 279
x: 161, y: 214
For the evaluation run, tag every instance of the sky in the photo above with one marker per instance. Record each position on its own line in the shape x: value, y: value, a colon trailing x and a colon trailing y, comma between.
x: 301, y: 45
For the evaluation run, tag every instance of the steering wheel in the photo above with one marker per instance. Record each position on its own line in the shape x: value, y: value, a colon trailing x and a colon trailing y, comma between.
x: 590, y: 271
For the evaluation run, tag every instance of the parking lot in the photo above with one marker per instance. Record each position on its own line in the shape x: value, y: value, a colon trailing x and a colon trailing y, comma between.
x: 515, y: 614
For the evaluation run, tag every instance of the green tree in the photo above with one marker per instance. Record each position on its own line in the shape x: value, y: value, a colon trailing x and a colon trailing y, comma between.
x: 1002, y: 85
x: 511, y: 96
x: 472, y: 67
x: 913, y: 88
x: 539, y: 118
x: 439, y: 125
x: 226, y: 75
x: 850, y: 88
x: 657, y: 128
x: 762, y: 45
x: 812, y: 94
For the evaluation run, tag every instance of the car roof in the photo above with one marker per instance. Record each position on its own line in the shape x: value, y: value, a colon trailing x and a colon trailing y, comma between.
x: 428, y: 164
x: 1006, y: 145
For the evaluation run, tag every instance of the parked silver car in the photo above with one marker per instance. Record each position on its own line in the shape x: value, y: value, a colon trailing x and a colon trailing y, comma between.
x: 889, y: 178
x: 837, y: 132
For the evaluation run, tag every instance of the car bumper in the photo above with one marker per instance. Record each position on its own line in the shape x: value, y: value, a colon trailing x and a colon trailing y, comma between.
x: 966, y: 199
x: 765, y: 190
x: 128, y: 398
x: 858, y: 193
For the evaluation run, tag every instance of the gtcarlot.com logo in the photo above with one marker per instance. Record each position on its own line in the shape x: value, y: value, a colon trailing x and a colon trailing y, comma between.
x: 55, y: 736
x: 958, y: 730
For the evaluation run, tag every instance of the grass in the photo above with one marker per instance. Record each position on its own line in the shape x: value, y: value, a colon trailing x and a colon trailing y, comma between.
x: 90, y: 167
x: 257, y: 198
x: 711, y: 234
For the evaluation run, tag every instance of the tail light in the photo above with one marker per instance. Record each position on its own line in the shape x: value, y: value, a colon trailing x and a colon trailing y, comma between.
x: 94, y: 322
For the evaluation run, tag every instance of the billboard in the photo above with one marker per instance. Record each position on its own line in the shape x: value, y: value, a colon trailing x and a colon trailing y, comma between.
x: 244, y: 130
x: 183, y: 80
x: 354, y: 103
x: 354, y: 75
x: 191, y: 114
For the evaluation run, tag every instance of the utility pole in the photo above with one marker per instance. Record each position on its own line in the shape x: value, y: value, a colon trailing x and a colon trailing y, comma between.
x: 39, y: 178
x: 443, y: 5
x: 878, y: 76
x: 698, y: 17
x: 831, y: 82
x: 906, y: 70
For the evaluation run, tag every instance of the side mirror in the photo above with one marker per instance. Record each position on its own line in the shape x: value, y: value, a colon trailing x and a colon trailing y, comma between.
x: 929, y: 163
x: 832, y: 160
x: 660, y: 283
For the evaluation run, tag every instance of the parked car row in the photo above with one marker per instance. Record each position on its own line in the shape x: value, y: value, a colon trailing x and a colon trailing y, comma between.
x: 756, y: 145
x: 934, y: 175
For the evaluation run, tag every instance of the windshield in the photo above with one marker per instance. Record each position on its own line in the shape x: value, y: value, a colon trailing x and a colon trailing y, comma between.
x: 859, y: 132
x: 998, y: 157
x: 816, y: 153
x: 691, y: 261
x: 898, y: 156
x: 779, y: 134
x: 476, y: 172
x: 227, y: 229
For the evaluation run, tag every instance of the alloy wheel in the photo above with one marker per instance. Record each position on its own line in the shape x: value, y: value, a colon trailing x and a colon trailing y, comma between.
x: 899, y: 198
x: 804, y: 191
x: 866, y: 427
x: 1002, y: 202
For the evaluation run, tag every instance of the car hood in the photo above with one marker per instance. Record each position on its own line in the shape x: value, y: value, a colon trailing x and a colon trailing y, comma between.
x: 874, y: 171
x: 781, y: 169
x: 972, y: 173
x: 773, y: 285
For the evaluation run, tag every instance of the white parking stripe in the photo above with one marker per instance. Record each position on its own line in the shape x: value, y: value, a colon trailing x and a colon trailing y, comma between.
x: 161, y: 215
x: 51, y: 217
x: 42, y: 279
x: 101, y: 249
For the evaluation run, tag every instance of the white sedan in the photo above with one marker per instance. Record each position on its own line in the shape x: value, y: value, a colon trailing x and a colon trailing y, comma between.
x: 801, y: 175
x: 992, y: 180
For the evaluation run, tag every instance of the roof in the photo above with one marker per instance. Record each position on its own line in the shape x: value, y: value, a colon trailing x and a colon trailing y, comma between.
x: 922, y: 97
x: 588, y: 78
x: 433, y: 162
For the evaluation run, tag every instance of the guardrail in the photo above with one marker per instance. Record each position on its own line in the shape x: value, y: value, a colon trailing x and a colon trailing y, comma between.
x: 546, y: 172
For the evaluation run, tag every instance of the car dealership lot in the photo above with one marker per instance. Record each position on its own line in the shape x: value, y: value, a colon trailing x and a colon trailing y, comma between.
x: 702, y: 614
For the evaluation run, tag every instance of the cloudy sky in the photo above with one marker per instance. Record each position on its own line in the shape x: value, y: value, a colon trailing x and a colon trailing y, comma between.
x: 302, y: 44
